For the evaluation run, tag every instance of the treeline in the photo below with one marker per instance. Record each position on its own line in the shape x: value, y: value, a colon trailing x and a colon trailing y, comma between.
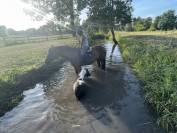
x: 48, y: 29
x: 166, y: 21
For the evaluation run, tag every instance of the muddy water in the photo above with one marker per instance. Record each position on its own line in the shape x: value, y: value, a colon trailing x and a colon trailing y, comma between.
x: 112, y: 104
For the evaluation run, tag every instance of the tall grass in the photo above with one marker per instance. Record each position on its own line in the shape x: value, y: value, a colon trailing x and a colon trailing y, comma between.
x: 8, y: 97
x: 156, y: 66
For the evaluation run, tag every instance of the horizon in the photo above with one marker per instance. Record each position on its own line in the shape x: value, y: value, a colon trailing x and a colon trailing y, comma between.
x: 15, y: 14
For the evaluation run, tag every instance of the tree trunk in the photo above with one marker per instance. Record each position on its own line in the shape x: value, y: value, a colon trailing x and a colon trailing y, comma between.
x: 72, y: 17
x: 72, y: 25
x: 72, y: 20
x: 114, y: 40
x: 113, y: 36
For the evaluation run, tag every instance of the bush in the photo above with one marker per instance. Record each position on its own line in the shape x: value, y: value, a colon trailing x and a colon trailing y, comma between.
x: 152, y: 28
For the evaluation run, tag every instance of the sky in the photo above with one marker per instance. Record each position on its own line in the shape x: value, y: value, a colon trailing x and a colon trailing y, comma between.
x: 12, y: 14
x: 152, y: 8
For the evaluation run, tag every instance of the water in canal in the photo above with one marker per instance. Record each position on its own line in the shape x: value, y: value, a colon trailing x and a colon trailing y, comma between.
x: 112, y: 104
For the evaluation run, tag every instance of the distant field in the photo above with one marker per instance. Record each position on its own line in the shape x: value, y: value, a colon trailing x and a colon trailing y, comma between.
x: 154, y: 37
x: 14, y: 40
x: 27, y: 56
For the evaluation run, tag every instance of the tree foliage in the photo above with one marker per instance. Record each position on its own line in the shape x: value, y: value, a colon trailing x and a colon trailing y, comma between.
x: 63, y: 10
x: 142, y: 24
x: 50, y: 28
x: 168, y: 20
x: 3, y: 31
x: 156, y: 22
x: 147, y: 23
x: 110, y: 12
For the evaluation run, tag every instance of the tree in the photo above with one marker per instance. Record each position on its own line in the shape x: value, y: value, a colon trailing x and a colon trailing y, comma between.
x: 109, y: 13
x: 142, y: 24
x: 11, y: 31
x: 139, y: 26
x: 168, y: 20
x: 63, y: 10
x: 156, y: 22
x: 129, y: 27
x: 3, y: 31
x: 152, y: 28
x: 30, y: 32
x: 147, y: 23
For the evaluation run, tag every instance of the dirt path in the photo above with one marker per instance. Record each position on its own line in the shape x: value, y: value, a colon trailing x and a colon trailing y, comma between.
x: 113, y: 104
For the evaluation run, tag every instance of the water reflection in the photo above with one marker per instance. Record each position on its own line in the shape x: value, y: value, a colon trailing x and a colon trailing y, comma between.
x: 114, y: 58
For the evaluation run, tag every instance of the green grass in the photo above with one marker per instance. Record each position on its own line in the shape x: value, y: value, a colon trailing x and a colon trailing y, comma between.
x: 156, y: 66
x: 16, y: 40
x: 24, y: 61
x: 27, y: 56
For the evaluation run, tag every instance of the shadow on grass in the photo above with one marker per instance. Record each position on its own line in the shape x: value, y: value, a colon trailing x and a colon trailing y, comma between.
x: 11, y: 91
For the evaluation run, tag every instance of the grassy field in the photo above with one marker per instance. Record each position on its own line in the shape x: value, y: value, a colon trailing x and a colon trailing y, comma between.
x: 151, y: 33
x: 154, y: 60
x: 27, y: 59
x: 26, y: 56
x: 153, y: 37
x: 16, y: 40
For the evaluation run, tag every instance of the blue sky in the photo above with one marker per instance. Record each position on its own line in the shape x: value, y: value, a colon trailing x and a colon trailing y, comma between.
x: 152, y: 8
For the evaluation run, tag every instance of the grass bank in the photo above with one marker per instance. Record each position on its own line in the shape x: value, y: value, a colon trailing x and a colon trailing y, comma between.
x: 22, y: 66
x: 156, y: 66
